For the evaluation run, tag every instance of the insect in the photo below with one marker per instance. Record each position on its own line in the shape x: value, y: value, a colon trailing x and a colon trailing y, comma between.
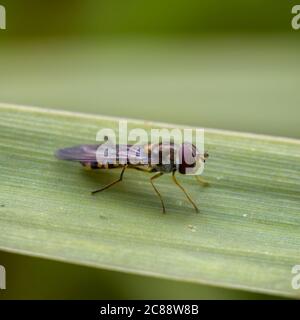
x: 140, y: 157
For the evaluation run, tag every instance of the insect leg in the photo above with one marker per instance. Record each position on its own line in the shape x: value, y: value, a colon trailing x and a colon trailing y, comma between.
x: 181, y: 187
x: 202, y: 181
x: 159, y: 174
x: 113, y: 183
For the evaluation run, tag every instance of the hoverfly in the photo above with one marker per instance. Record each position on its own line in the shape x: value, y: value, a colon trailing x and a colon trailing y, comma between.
x: 142, y: 156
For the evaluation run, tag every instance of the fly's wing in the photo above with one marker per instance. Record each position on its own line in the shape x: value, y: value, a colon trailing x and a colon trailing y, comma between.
x: 88, y: 153
x: 127, y: 154
x: 82, y: 153
x: 136, y: 155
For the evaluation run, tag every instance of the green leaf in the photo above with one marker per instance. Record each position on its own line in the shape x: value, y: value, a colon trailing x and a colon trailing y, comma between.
x: 247, y: 235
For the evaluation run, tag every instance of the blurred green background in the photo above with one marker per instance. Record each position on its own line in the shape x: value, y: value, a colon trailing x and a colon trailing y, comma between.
x: 223, y: 64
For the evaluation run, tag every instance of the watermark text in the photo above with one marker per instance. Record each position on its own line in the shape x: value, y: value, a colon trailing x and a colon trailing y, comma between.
x: 296, y: 279
x: 2, y: 278
x: 2, y: 18
x: 163, y: 149
x: 296, y: 18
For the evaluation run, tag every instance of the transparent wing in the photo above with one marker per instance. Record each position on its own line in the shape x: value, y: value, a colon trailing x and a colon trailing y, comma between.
x: 92, y: 153
x: 136, y: 154
x: 86, y: 152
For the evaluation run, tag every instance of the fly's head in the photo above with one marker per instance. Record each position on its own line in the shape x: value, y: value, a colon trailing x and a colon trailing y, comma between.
x: 191, y: 161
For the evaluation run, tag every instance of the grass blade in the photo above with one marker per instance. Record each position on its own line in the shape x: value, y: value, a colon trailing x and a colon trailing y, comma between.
x: 247, y: 235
